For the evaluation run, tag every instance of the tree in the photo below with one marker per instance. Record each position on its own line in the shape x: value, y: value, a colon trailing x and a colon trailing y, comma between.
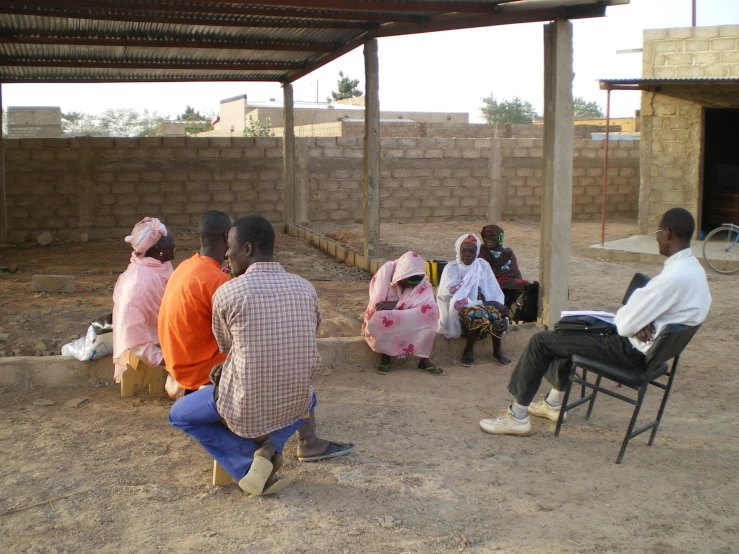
x: 507, y: 111
x: 121, y: 122
x: 587, y: 110
x: 80, y: 124
x: 256, y: 128
x: 347, y: 88
x: 5, y: 123
x: 197, y: 123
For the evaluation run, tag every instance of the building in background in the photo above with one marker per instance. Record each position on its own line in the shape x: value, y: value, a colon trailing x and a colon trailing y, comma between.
x: 34, y: 122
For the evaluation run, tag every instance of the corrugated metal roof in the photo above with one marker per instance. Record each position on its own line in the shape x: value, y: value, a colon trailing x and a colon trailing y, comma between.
x: 184, y: 40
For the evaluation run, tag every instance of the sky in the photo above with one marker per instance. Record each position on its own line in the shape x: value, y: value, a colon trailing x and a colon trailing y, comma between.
x: 448, y: 72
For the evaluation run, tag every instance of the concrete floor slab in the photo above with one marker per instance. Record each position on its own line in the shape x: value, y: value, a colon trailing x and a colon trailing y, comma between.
x: 639, y: 248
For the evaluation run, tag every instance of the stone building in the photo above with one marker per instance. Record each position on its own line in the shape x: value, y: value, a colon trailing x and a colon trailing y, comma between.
x: 34, y: 122
x: 689, y: 124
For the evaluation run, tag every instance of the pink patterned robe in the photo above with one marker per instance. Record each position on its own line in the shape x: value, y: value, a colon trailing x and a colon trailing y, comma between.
x: 411, y: 327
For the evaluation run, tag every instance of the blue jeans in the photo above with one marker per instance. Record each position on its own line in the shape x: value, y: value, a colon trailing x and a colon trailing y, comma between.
x: 197, y: 416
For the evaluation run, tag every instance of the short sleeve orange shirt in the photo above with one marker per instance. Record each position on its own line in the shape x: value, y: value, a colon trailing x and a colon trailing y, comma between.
x: 185, y: 321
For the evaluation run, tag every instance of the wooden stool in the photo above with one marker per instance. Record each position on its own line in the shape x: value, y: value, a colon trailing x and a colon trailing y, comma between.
x: 141, y: 374
x: 221, y: 478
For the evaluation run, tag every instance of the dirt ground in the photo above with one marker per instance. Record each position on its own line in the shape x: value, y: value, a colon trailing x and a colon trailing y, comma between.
x: 423, y: 478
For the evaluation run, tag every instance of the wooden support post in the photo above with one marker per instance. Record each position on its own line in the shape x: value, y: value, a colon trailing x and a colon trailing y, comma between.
x: 556, y: 209
x: 371, y: 185
x: 288, y: 154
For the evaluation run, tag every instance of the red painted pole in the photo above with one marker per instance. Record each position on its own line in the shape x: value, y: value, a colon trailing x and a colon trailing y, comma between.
x: 605, y: 170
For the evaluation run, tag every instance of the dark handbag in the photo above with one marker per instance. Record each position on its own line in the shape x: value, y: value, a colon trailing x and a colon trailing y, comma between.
x: 525, y: 308
x: 583, y: 325
x: 103, y: 324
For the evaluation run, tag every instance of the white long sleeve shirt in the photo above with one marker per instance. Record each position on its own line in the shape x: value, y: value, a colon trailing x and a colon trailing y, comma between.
x: 679, y: 294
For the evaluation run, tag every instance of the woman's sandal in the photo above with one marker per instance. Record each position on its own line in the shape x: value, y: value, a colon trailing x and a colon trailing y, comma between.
x: 383, y: 369
x: 433, y: 370
x: 467, y: 362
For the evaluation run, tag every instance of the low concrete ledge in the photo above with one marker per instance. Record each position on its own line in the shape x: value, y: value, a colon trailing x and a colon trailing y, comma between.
x: 336, y: 352
x: 341, y: 252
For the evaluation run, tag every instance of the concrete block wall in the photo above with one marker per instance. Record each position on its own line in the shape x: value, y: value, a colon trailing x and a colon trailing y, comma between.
x: 522, y: 178
x: 691, y: 52
x: 103, y: 186
x: 106, y: 185
x: 441, y: 178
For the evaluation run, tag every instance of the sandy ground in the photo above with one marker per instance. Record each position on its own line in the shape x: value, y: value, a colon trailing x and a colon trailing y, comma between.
x: 423, y: 478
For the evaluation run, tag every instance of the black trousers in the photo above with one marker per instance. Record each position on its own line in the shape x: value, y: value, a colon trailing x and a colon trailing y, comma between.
x: 548, y: 355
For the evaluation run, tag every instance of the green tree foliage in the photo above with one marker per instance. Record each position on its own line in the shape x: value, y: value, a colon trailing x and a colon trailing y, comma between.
x: 255, y: 128
x: 514, y: 110
x: 197, y: 123
x: 80, y: 124
x: 347, y: 88
x: 587, y: 110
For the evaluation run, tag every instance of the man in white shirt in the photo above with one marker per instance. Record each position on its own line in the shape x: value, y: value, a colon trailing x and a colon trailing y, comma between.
x: 677, y: 295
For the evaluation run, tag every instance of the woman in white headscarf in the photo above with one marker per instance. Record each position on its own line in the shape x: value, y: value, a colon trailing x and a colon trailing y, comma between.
x: 471, y: 302
x: 138, y: 295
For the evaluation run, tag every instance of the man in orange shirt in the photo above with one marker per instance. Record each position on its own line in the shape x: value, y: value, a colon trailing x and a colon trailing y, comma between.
x: 190, y: 349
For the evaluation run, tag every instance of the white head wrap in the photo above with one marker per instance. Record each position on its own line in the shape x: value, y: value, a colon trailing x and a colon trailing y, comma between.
x: 146, y: 233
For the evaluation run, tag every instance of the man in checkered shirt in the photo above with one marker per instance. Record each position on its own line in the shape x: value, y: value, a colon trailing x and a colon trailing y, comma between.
x: 265, y: 319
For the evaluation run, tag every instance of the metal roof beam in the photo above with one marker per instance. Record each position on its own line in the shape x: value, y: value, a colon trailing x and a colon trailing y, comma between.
x: 451, y: 23
x: 183, y: 19
x: 41, y: 37
x: 165, y: 65
x: 135, y: 78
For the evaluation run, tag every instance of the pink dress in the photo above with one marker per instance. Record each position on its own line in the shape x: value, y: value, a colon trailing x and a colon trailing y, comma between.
x: 136, y: 300
x: 411, y: 327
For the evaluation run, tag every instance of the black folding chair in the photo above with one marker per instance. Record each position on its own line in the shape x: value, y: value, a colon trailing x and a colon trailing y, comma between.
x: 669, y: 345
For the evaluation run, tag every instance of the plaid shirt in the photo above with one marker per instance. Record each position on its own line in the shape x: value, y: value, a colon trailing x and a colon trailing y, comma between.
x: 266, y: 321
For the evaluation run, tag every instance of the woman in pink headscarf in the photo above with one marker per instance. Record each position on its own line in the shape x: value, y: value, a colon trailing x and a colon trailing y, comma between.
x: 138, y: 295
x: 402, y: 316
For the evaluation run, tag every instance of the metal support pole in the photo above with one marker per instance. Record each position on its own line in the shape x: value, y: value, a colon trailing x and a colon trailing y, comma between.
x: 694, y: 12
x: 605, y: 169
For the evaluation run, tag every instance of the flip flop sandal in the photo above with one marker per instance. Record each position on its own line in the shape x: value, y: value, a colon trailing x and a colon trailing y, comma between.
x: 383, y: 369
x: 255, y: 479
x: 433, y: 370
x: 504, y: 361
x: 334, y: 450
x: 277, y: 486
x: 467, y: 362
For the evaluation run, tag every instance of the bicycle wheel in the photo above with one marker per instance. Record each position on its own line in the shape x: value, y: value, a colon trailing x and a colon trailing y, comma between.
x: 721, y: 250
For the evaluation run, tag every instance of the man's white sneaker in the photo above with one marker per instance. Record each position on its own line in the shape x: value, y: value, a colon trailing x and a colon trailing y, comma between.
x: 544, y: 409
x: 507, y: 424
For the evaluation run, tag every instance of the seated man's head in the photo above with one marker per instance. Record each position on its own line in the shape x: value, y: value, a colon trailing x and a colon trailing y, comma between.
x: 213, y: 230
x: 676, y: 228
x: 250, y: 240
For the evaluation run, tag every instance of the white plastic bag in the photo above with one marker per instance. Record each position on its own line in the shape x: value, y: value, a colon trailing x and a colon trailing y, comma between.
x: 90, y: 347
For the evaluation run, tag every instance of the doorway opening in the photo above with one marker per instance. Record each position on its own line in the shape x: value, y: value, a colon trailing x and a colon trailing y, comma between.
x: 720, y: 168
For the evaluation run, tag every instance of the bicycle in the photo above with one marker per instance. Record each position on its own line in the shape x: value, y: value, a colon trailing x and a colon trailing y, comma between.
x: 720, y: 250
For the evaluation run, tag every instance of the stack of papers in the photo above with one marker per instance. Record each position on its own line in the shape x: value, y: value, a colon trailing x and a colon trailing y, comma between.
x: 608, y: 317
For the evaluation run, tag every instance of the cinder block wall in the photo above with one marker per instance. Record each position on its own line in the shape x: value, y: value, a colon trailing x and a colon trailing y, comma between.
x: 436, y: 178
x: 105, y: 185
x: 672, y: 127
